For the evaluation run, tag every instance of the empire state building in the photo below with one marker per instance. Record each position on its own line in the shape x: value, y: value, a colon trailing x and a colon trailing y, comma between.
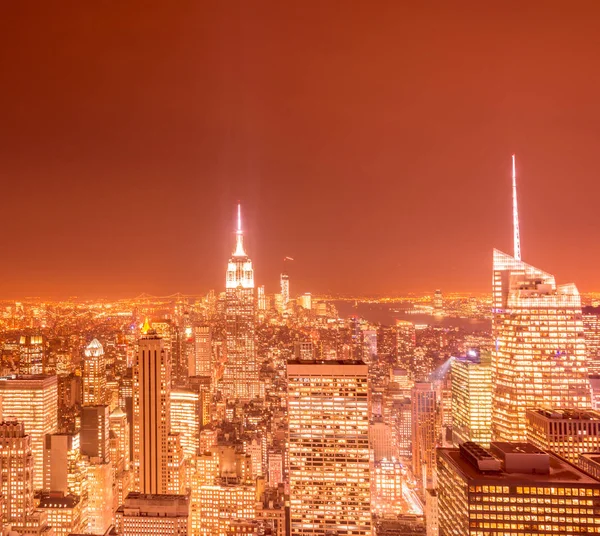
x: 240, y: 377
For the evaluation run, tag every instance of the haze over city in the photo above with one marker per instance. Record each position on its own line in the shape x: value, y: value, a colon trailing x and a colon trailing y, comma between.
x: 370, y: 143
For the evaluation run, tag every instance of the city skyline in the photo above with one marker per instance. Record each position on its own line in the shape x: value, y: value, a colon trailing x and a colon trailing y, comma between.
x: 186, y: 118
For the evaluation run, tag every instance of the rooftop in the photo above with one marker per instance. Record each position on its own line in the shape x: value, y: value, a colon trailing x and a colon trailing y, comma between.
x: 567, y: 414
x: 561, y: 471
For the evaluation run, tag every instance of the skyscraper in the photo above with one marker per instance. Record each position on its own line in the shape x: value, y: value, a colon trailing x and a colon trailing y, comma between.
x: 516, y: 489
x: 472, y: 399
x: 425, y: 433
x: 16, y: 472
x: 405, y: 344
x: 94, y: 375
x: 329, y: 448
x: 539, y: 356
x: 240, y: 377
x: 31, y: 354
x: 285, y: 290
x: 151, y: 413
x: 202, y: 364
x: 32, y: 400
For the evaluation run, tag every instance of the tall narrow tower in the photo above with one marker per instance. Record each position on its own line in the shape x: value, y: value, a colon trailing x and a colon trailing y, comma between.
x: 94, y: 375
x: 285, y: 290
x: 151, y: 413
x: 240, y: 377
x: 539, y: 357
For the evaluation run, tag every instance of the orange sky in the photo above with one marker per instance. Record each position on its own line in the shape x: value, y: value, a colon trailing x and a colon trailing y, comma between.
x: 370, y: 141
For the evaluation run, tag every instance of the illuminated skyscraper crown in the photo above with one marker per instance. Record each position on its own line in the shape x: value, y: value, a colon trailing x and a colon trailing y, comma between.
x: 239, y: 269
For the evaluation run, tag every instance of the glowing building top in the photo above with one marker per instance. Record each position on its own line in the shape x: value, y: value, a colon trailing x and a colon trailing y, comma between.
x: 239, y: 269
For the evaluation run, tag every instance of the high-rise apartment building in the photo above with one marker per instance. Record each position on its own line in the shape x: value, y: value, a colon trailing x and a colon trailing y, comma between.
x: 32, y: 400
x: 16, y: 472
x: 94, y: 375
x: 565, y: 432
x: 153, y: 515
x: 151, y: 414
x: 241, y: 374
x: 329, y: 451
x: 471, y: 380
x: 539, y: 358
x: 425, y: 433
x: 516, y: 489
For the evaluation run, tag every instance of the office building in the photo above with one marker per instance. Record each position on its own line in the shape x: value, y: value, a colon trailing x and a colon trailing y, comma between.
x: 94, y: 432
x: 240, y: 377
x: 471, y: 380
x: 202, y: 364
x: 16, y: 472
x: 64, y: 471
x: 425, y: 433
x: 386, y: 488
x: 405, y: 345
x: 151, y: 414
x: 329, y: 448
x: 153, y: 515
x: 64, y: 513
x: 591, y: 332
x: 99, y: 496
x: 438, y: 303
x: 539, y: 356
x: 33, y: 401
x: 567, y: 433
x: 31, y: 354
x: 94, y: 375
x: 513, y: 488
x: 186, y: 412
x: 215, y: 506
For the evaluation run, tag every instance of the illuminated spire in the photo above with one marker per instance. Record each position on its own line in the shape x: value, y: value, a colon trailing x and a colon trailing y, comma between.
x: 239, y: 236
x: 517, y: 236
x: 146, y: 328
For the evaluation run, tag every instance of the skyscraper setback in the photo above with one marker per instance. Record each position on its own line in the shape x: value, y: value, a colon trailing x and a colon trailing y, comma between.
x: 240, y: 377
x: 539, y: 353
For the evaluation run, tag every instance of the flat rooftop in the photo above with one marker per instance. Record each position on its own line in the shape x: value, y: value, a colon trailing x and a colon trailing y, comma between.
x: 567, y: 414
x: 561, y: 472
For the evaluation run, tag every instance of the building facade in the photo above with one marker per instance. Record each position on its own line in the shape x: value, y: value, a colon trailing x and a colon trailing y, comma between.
x: 539, y: 359
x: 32, y: 400
x: 513, y: 488
x: 565, y: 432
x: 329, y: 455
